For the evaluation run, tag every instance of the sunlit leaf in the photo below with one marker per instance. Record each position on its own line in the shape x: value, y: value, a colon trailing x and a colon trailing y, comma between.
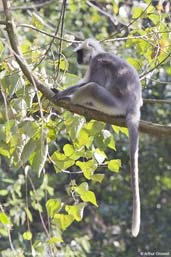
x: 63, y: 64
x: 136, y: 12
x: 83, y: 138
x: 4, y: 152
x: 27, y: 235
x: 118, y: 129
x: 70, y: 152
x: 63, y: 220
x: 82, y: 188
x: 76, y: 210
x: 154, y: 17
x: 88, y: 167
x: 99, y: 155
x: 4, y: 219
x: 89, y: 196
x: 29, y: 214
x: 1, y: 47
x: 4, y: 192
x: 166, y: 181
x: 62, y: 162
x: 114, y: 165
x: 37, y: 21
x: 55, y: 240
x: 53, y: 206
x: 85, y: 194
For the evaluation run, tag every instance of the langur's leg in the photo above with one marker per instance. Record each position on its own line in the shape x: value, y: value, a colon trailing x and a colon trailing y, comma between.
x: 96, y: 97
x: 67, y: 93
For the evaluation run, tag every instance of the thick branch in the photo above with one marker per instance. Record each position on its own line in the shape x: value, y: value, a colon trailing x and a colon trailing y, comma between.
x: 145, y: 127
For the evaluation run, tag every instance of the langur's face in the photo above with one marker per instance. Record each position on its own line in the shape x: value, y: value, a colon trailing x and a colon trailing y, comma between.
x: 83, y: 56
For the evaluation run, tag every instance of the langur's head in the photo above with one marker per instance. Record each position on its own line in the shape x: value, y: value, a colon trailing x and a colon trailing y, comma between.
x: 87, y: 50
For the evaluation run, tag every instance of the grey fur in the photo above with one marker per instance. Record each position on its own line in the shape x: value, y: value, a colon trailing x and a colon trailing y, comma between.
x: 112, y: 86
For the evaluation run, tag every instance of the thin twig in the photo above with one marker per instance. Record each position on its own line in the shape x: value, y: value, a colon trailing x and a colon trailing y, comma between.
x: 143, y: 75
x: 156, y: 101
x: 30, y: 7
x: 61, y: 34
x: 108, y: 15
x: 47, y: 34
x: 132, y: 22
x: 9, y: 234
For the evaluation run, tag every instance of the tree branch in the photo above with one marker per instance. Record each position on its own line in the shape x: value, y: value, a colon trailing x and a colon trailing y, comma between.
x: 31, y: 7
x: 156, y: 101
x: 145, y: 127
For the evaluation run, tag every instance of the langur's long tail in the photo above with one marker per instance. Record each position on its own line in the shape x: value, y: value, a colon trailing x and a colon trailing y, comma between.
x: 134, y: 145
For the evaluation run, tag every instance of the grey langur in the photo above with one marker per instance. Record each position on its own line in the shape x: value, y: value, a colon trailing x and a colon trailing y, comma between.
x: 111, y: 86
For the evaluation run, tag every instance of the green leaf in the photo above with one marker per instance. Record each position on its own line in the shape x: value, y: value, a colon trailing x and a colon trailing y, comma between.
x: 4, y: 219
x: 99, y: 155
x: 25, y: 46
x: 28, y: 127
x: 4, y: 192
x: 71, y: 79
x: 87, y: 167
x: 37, y: 21
x: 134, y: 62
x: 114, y: 165
x: 1, y: 47
x: 85, y: 194
x: 111, y: 144
x: 155, y: 18
x: 20, y: 107
x: 40, y: 155
x: 37, y: 206
x: 94, y: 127
x: 82, y: 188
x: 84, y: 139
x: 63, y: 64
x: 76, y: 211
x: 62, y: 161
x: 73, y: 124
x: 103, y: 139
x: 28, y: 150
x: 136, y: 12
x: 118, y: 129
x: 27, y: 235
x: 4, y: 152
x: 29, y: 214
x: 89, y: 196
x: 70, y: 152
x: 166, y: 182
x: 4, y: 231
x: 97, y: 177
x: 55, y: 240
x: 53, y: 206
x: 63, y: 220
